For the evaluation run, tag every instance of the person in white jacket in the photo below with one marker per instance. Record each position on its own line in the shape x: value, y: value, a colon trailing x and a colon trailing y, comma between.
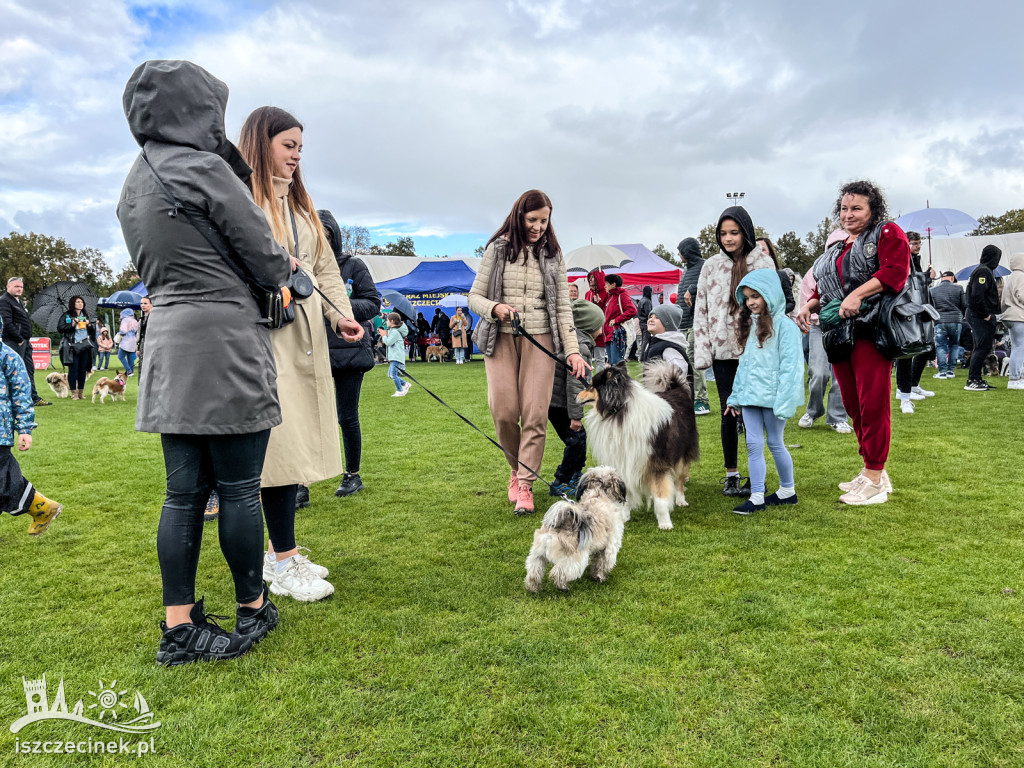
x: 1012, y: 303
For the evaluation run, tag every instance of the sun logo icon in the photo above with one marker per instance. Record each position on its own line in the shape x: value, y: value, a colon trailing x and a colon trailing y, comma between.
x: 107, y: 700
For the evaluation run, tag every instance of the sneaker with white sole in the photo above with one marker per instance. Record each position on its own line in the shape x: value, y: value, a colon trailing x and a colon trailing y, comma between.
x: 976, y: 386
x: 843, y: 428
x: 886, y: 483
x: 864, y: 493
x: 270, y: 567
x: 806, y: 421
x: 399, y: 393
x: 1015, y: 384
x: 922, y: 392
x: 298, y: 581
x: 939, y: 375
x: 700, y: 408
x: 907, y: 406
x: 406, y: 388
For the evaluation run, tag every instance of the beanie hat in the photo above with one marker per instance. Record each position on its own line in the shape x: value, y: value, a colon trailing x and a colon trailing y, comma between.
x: 670, y: 315
x: 587, y: 316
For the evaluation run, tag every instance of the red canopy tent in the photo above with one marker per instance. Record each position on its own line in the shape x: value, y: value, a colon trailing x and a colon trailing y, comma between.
x: 647, y: 268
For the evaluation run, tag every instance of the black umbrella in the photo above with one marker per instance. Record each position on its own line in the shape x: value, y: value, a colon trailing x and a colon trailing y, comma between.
x: 50, y: 304
x: 395, y: 301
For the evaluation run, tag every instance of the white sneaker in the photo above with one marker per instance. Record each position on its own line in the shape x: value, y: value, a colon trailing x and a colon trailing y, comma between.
x: 843, y: 428
x: 270, y: 569
x: 1015, y: 384
x: 913, y: 396
x: 907, y: 406
x: 806, y: 422
x: 400, y: 393
x: 922, y: 392
x: 298, y: 581
x: 939, y: 375
x: 847, y: 487
x: 407, y: 387
x: 865, y: 493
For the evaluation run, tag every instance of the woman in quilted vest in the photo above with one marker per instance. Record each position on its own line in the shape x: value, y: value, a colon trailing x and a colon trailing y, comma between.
x: 522, y: 272
x: 874, y: 258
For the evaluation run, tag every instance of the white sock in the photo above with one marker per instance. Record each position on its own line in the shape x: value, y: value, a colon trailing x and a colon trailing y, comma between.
x: 757, y: 498
x: 732, y: 474
x: 281, y: 565
x: 785, y: 493
x: 902, y: 395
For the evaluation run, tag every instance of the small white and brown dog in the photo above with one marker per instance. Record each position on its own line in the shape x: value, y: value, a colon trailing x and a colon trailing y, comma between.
x: 574, y: 534
x: 58, y: 383
x: 114, y: 387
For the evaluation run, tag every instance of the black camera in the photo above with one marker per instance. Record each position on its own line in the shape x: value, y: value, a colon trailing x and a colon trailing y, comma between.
x: 300, y: 284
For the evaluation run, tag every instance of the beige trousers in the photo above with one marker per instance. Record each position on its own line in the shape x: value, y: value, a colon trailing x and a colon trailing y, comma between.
x: 519, y: 382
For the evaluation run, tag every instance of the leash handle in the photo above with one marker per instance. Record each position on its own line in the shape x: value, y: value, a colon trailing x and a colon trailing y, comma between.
x: 518, y: 330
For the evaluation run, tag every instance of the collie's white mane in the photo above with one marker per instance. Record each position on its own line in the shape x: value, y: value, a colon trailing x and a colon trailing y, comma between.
x: 625, y: 442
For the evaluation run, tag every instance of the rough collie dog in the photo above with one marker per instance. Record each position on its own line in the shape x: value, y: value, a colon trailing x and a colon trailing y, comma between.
x: 648, y: 433
x: 575, y: 534
x: 437, y: 352
x: 114, y: 387
x: 58, y: 383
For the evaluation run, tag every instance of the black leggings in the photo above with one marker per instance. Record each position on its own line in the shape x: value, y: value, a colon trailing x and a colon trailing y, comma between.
x: 195, y: 465
x: 984, y: 332
x: 725, y: 374
x: 81, y: 362
x: 574, y: 457
x: 347, y: 384
x: 279, y: 511
x: 909, y: 370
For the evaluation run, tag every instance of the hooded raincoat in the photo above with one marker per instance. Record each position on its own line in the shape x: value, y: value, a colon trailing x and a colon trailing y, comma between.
x: 1013, y: 291
x: 17, y: 416
x: 226, y: 385
x: 772, y: 375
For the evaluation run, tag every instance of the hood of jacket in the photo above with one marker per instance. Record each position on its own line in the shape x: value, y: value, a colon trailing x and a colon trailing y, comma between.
x: 127, y: 313
x: 738, y: 214
x: 689, y: 248
x: 990, y: 256
x: 178, y: 102
x: 765, y: 282
x: 648, y: 292
x: 333, y: 230
x: 1016, y: 262
x: 598, y: 279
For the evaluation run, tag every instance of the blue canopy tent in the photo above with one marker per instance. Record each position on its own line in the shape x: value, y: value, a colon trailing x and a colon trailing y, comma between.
x: 430, y: 282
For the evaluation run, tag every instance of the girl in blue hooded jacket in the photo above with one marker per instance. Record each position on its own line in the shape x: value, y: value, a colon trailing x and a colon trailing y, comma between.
x: 769, y: 384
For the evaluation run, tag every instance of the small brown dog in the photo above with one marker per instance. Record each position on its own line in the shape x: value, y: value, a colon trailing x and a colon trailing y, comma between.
x: 112, y: 387
x: 437, y: 352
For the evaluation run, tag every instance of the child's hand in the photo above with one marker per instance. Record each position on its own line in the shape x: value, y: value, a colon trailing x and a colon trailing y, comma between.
x: 732, y: 410
x: 575, y: 425
x: 24, y: 441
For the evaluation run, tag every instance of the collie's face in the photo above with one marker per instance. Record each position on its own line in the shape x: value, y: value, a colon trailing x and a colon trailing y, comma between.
x: 609, y: 390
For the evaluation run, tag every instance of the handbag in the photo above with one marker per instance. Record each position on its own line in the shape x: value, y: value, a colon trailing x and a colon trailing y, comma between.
x: 631, y: 326
x: 117, y: 337
x: 64, y: 352
x: 906, y: 320
x: 838, y: 341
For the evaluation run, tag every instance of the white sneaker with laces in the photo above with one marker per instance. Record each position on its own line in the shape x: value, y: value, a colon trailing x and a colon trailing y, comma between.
x: 400, y: 393
x: 922, y: 392
x: 843, y: 428
x: 299, y: 582
x: 1015, y: 384
x: 407, y: 387
x: 865, y: 493
x: 846, y: 487
x: 270, y: 571
x: 907, y: 406
x: 939, y: 375
x: 806, y: 422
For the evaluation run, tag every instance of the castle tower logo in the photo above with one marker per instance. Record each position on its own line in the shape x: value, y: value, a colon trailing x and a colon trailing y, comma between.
x: 109, y: 708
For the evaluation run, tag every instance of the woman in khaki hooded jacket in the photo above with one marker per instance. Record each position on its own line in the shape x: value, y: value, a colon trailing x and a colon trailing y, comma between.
x: 305, y: 447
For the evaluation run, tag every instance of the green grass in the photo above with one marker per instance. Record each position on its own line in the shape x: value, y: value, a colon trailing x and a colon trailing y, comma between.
x: 816, y: 635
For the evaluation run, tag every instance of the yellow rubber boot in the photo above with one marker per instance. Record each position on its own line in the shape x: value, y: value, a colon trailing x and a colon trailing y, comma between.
x: 43, y: 512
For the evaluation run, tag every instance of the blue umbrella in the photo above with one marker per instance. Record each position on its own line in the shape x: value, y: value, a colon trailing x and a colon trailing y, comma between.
x: 121, y: 300
x: 965, y: 273
x: 393, y: 301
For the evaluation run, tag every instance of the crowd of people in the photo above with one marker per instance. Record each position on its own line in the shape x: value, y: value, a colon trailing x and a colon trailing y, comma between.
x: 299, y: 323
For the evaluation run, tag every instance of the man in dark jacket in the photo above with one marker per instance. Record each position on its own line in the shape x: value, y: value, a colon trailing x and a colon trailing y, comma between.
x: 18, y: 330
x: 689, y: 252
x: 423, y: 328
x: 948, y: 298
x: 982, y: 308
x: 350, y: 360
x: 442, y: 327
x: 643, y: 311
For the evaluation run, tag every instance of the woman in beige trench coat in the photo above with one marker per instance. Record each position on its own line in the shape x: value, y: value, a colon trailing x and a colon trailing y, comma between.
x: 459, y: 324
x: 305, y: 447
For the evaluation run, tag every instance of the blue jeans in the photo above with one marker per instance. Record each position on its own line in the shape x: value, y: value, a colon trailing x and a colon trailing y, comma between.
x: 947, y: 349
x: 127, y: 360
x: 617, y: 346
x: 460, y: 354
x: 757, y: 422
x: 394, y: 368
x: 102, y: 360
x: 1016, y: 329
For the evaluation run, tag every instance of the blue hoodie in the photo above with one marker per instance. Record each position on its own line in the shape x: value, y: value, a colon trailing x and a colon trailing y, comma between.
x: 17, y: 416
x: 771, y: 376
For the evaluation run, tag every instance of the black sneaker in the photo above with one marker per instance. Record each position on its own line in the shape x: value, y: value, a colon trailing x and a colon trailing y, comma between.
x: 302, y: 497
x: 733, y: 487
x: 976, y: 386
x: 254, y: 624
x: 350, y: 483
x: 39, y: 403
x: 202, y: 640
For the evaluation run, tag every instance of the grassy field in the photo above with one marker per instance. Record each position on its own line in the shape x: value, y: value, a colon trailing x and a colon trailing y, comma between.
x: 817, y: 635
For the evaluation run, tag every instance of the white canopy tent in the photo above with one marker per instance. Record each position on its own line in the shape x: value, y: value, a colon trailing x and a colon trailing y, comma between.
x: 954, y: 253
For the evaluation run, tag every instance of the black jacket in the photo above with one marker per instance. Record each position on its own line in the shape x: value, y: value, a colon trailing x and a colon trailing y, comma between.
x: 982, y: 293
x: 365, y: 301
x: 66, y: 326
x: 689, y: 250
x: 441, y: 325
x: 17, y: 323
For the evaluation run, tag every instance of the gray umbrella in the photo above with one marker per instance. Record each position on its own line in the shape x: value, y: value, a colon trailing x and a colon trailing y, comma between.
x: 50, y: 304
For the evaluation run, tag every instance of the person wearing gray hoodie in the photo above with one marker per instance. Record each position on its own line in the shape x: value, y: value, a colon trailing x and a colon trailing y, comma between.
x: 689, y: 252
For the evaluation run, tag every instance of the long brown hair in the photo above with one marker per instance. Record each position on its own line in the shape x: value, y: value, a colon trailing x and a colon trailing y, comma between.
x: 514, y: 227
x: 765, y: 327
x: 262, y: 125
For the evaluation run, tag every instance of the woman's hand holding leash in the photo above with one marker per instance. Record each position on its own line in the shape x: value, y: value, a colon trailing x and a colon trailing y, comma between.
x: 503, y: 312
x: 578, y: 365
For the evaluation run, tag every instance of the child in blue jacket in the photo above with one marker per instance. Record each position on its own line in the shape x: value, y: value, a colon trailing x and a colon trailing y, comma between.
x: 394, y: 341
x: 17, y: 420
x: 769, y: 384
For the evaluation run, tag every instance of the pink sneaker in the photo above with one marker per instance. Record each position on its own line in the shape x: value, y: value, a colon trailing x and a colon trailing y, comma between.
x: 524, y: 504
x: 513, y: 488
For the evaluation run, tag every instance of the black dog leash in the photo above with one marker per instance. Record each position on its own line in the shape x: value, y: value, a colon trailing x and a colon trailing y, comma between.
x: 518, y: 330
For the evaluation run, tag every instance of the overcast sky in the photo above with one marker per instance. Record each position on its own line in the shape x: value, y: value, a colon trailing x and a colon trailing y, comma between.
x: 429, y: 119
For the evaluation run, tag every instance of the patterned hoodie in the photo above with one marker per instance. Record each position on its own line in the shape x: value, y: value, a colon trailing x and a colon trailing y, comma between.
x: 17, y: 416
x: 714, y: 326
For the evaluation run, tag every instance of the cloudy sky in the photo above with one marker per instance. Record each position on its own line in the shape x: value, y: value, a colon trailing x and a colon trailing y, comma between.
x: 429, y: 119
